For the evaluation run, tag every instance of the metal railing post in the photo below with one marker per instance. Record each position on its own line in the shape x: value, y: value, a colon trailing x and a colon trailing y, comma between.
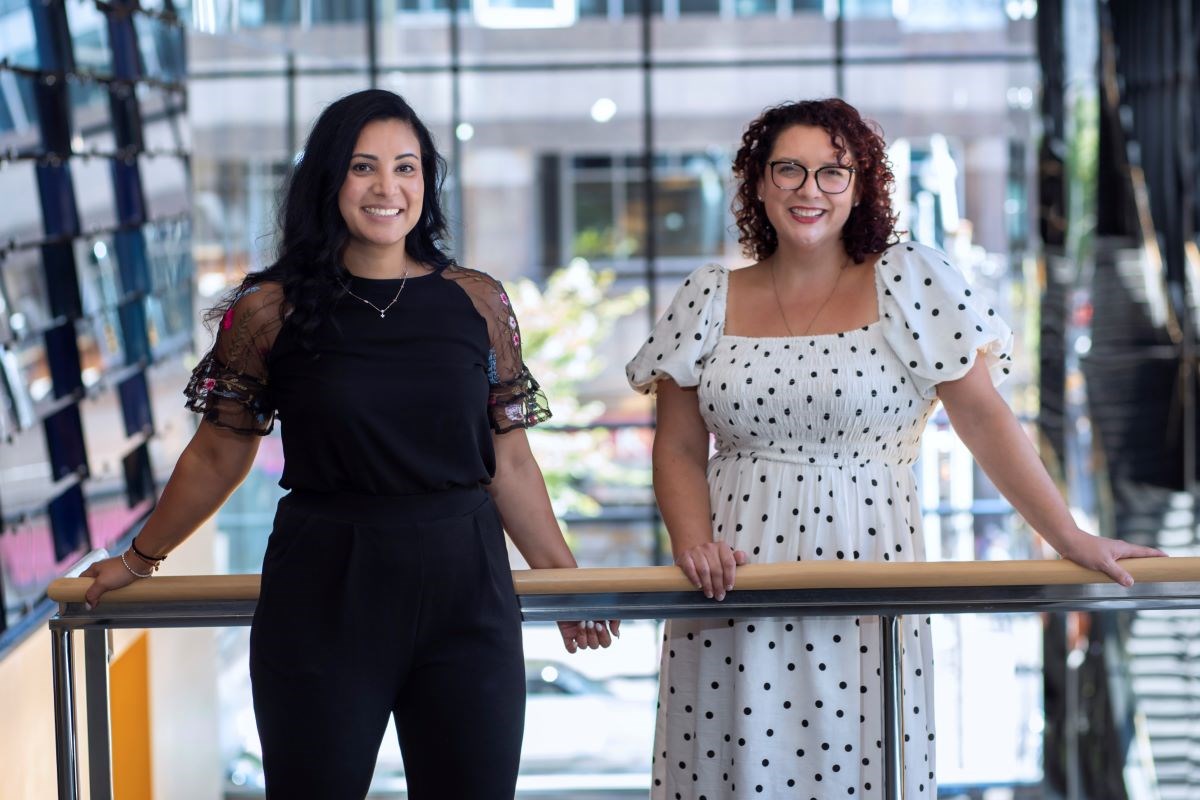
x: 893, y: 714
x: 96, y: 654
x: 62, y: 655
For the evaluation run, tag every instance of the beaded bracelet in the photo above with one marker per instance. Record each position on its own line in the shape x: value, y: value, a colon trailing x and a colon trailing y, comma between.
x: 148, y: 559
x: 134, y: 572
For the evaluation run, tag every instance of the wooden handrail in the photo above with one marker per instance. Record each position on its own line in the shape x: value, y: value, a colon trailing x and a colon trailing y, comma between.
x: 800, y: 575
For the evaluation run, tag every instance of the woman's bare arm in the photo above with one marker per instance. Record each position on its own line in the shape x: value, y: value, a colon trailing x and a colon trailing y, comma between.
x: 987, y: 426
x: 681, y: 489
x: 213, y: 464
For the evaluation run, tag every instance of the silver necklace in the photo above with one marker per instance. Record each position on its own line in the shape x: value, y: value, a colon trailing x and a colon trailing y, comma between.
x: 382, y: 311
x: 811, y: 322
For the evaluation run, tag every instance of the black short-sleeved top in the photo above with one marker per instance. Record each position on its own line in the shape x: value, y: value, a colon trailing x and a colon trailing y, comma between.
x: 390, y: 405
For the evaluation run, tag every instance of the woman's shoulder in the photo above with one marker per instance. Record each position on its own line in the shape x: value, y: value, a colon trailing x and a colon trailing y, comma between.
x: 707, y: 274
x: 704, y: 284
x: 254, y: 305
x: 904, y: 258
x: 457, y: 272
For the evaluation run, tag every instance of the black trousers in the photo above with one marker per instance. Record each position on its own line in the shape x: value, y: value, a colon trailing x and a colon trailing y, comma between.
x: 373, y: 606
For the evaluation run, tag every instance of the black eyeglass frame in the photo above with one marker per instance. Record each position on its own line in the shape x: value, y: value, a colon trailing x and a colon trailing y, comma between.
x: 814, y: 172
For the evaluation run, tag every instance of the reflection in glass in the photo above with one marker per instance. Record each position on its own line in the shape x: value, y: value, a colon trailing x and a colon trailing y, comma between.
x: 134, y: 334
x: 58, y: 267
x: 32, y: 369
x: 169, y: 254
x: 170, y: 319
x: 130, y: 248
x: 166, y: 185
x: 127, y: 119
x: 27, y: 559
x: 60, y: 215
x: 68, y: 523
x: 15, y: 398
x: 21, y: 222
x: 91, y: 120
x: 100, y: 347
x: 25, y: 475
x: 18, y: 113
x: 109, y: 514
x: 164, y: 114
x: 89, y: 36
x: 135, y: 405
x: 127, y: 190
x: 30, y: 308
x: 65, y: 443
x: 62, y: 350
x: 92, y: 178
x: 18, y: 39
x: 105, y: 437
x: 139, y: 481
x: 161, y: 47
x: 99, y: 281
x: 10, y: 421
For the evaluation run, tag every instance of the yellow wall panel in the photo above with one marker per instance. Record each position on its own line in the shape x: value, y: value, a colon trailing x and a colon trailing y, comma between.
x: 129, y: 685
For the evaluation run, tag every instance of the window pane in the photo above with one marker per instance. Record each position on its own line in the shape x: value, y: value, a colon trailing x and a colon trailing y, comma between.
x: 18, y: 41
x: 89, y: 36
x: 932, y: 27
x: 589, y: 39
x: 521, y: 205
x: 757, y: 32
x: 21, y: 222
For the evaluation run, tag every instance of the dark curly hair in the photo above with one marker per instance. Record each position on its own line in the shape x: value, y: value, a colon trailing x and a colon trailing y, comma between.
x: 872, y: 223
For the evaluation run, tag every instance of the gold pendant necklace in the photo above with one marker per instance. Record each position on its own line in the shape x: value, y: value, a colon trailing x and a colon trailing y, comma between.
x: 811, y: 322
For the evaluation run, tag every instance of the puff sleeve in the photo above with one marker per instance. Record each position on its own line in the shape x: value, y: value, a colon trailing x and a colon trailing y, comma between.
x: 933, y: 320
x: 230, y: 385
x: 685, y: 335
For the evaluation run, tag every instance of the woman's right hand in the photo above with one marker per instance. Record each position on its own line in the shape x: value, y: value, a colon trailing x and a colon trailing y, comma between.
x: 109, y: 574
x: 711, y: 567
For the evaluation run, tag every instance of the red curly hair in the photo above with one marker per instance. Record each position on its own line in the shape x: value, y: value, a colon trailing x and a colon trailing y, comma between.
x: 872, y: 223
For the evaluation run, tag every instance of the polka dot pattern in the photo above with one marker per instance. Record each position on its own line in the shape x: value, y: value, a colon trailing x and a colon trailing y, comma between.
x: 815, y: 439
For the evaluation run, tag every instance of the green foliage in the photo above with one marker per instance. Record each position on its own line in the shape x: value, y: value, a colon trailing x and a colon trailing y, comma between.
x: 563, y: 327
x: 1083, y: 164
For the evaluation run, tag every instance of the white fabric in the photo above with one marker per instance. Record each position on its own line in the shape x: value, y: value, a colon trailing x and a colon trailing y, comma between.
x: 815, y: 437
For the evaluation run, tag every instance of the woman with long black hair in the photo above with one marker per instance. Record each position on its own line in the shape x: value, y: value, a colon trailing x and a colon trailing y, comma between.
x: 399, y: 381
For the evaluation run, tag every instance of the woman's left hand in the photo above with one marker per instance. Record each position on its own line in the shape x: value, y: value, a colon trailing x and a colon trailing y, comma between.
x: 588, y: 635
x: 1101, y: 554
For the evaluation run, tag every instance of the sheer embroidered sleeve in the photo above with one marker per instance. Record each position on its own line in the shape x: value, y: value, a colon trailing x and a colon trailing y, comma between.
x: 515, y: 399
x: 230, y: 387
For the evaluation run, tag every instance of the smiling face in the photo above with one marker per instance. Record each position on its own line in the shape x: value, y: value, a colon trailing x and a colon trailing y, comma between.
x: 382, y: 195
x: 806, y: 217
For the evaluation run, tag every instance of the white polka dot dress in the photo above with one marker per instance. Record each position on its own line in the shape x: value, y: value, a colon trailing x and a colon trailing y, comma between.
x: 815, y: 440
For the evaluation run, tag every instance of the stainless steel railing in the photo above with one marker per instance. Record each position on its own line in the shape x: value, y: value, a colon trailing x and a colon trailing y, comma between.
x: 888, y: 591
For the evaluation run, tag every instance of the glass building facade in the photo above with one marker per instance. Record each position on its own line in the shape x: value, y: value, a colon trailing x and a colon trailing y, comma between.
x: 96, y: 278
x: 141, y: 151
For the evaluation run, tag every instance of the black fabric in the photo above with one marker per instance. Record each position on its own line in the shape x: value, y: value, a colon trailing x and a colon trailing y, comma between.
x: 393, y: 406
x: 386, y: 586
x: 372, y: 605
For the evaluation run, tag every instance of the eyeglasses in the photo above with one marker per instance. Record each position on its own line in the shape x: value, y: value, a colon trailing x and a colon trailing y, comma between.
x: 790, y: 176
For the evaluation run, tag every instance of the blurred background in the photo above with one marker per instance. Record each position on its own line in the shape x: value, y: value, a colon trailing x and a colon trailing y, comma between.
x: 1049, y: 147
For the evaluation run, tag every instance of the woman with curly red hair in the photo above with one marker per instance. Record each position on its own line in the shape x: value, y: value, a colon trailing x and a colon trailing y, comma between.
x: 816, y: 368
